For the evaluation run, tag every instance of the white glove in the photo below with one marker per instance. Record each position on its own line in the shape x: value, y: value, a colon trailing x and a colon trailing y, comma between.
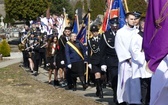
x: 90, y: 66
x: 104, y: 68
x: 54, y: 63
x: 62, y: 62
x: 69, y: 66
x: 48, y: 64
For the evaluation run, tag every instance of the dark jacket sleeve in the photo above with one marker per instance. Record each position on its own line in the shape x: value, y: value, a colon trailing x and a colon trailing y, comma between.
x: 88, y: 52
x: 102, y: 50
x: 61, y: 52
x: 67, y: 54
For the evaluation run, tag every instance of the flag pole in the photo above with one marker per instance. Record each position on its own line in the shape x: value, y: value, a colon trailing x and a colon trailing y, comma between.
x: 87, y: 37
x: 77, y: 20
x: 126, y: 5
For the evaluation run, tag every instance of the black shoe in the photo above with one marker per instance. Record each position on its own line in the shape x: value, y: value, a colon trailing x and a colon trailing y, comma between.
x: 85, y: 87
x: 74, y: 88
x: 70, y: 86
x: 56, y: 83
x: 35, y: 73
x: 31, y: 71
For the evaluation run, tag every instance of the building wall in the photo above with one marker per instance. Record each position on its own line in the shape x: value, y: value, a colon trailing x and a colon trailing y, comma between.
x: 2, y: 8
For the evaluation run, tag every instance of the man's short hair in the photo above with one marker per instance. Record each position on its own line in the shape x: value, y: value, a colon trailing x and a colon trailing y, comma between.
x: 128, y: 14
x: 68, y: 28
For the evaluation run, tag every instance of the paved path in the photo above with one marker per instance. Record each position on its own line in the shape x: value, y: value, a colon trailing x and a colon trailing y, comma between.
x: 43, y: 77
x: 15, y: 57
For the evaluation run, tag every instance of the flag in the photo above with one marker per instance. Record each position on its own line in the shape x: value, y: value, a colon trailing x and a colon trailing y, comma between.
x: 64, y: 23
x: 118, y: 11
x: 83, y: 31
x: 155, y: 40
x: 82, y: 34
x: 76, y: 23
x: 121, y: 14
x: 115, y: 9
x: 85, y: 19
x: 106, y: 15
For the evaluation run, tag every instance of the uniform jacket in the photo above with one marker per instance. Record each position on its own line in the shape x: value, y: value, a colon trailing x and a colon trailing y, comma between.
x: 94, y: 51
x: 108, y: 53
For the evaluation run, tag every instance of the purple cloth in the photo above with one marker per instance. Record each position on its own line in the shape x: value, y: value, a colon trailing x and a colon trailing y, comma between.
x: 156, y: 48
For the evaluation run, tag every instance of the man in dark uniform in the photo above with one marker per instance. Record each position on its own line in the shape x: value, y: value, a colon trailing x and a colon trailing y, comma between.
x: 109, y: 57
x: 137, y: 18
x: 61, y: 55
x: 94, y: 59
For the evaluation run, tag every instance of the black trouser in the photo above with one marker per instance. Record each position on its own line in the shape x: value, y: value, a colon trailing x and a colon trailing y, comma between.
x: 75, y: 78
x: 68, y: 77
x: 25, y: 59
x: 36, y: 64
x: 113, y: 78
x: 113, y: 75
x: 145, y: 90
x: 42, y: 58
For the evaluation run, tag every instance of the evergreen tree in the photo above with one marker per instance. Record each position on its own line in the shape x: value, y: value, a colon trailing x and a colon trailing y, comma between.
x: 25, y: 9
x: 58, y: 5
x: 97, y: 7
x: 138, y: 5
x: 85, y: 5
x: 4, y: 48
x: 78, y: 5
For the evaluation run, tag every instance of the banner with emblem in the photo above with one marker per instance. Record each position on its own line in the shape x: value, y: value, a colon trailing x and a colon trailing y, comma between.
x: 115, y: 9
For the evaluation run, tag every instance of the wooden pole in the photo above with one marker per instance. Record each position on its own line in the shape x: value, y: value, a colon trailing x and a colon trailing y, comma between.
x: 88, y: 33
x: 126, y: 5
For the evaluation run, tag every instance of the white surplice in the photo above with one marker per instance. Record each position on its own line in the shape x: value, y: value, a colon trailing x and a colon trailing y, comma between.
x: 128, y: 89
x: 138, y: 58
x: 159, y: 84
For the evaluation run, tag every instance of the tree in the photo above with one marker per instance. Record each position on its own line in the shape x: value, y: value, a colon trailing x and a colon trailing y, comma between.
x: 58, y: 5
x: 139, y: 5
x: 25, y: 9
x: 97, y: 7
x: 85, y: 5
x: 79, y: 4
x: 4, y: 48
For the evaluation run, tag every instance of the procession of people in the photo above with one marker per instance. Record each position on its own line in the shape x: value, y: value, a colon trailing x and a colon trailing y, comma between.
x: 116, y: 58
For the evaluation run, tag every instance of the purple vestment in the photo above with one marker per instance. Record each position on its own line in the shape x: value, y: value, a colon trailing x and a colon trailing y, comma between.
x: 155, y: 41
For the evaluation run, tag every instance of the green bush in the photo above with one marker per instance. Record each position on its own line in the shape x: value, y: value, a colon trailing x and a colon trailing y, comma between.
x: 4, y: 48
